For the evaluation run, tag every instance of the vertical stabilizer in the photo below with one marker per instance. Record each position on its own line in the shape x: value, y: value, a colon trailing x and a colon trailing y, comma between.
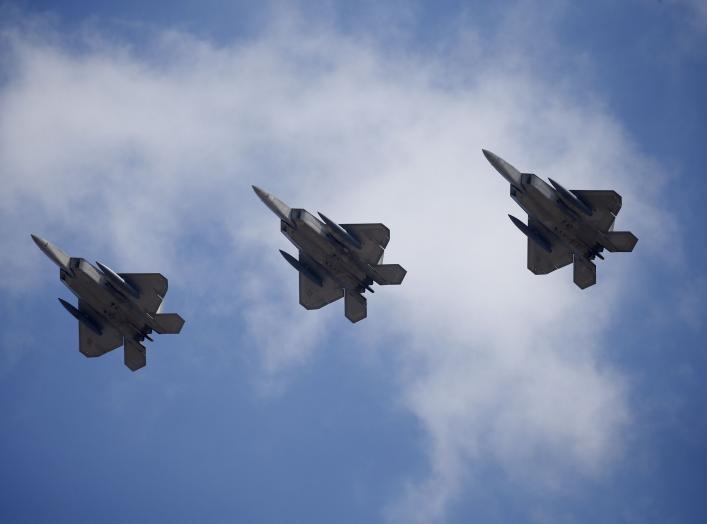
x: 355, y: 306
x: 585, y: 272
x: 135, y: 356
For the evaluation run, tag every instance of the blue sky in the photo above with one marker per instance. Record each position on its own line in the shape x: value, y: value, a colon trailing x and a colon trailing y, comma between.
x: 475, y: 391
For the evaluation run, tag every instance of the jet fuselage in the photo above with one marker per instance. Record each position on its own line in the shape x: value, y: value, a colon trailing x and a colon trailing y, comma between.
x: 541, y: 201
x: 94, y: 288
x: 313, y: 237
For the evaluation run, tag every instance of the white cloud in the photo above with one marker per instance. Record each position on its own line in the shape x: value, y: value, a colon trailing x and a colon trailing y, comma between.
x: 115, y: 153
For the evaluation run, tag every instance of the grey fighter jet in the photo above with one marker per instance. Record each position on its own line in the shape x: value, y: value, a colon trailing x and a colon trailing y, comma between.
x: 564, y: 226
x: 114, y: 309
x: 334, y: 260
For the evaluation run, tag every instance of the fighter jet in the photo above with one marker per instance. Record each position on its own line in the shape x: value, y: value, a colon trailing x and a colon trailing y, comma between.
x: 114, y: 309
x: 564, y: 226
x: 335, y: 260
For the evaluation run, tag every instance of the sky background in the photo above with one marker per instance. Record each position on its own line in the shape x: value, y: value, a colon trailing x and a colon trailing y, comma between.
x: 474, y: 392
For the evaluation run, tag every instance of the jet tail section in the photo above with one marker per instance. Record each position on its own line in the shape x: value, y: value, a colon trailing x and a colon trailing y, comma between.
x: 585, y: 272
x: 355, y: 307
x: 134, y: 355
x: 388, y: 274
x: 619, y: 241
x: 168, y: 323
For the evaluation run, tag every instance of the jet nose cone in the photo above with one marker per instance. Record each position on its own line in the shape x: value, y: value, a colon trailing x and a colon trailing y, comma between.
x: 41, y: 243
x: 491, y: 157
x: 262, y: 194
x: 55, y: 254
x: 275, y: 205
x: 505, y: 169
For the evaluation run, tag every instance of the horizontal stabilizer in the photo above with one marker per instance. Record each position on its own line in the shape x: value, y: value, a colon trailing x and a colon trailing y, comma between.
x: 168, y: 323
x: 388, y: 274
x: 620, y: 241
x: 355, y: 306
x: 585, y: 272
x: 134, y: 355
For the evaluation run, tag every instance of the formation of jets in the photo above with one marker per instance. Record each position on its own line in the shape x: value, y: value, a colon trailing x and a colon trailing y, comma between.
x: 340, y: 261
